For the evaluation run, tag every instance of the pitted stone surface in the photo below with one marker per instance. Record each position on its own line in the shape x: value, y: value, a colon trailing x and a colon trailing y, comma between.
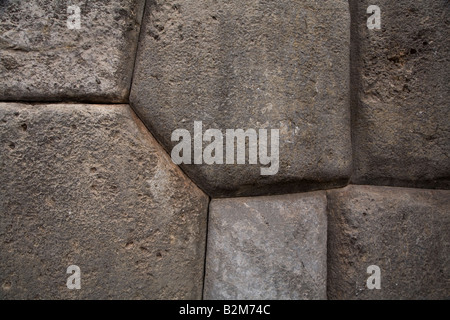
x: 87, y: 185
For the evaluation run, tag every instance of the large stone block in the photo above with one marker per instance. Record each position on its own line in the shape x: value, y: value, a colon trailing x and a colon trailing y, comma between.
x: 267, y: 248
x: 402, y: 110
x: 87, y: 185
x: 41, y: 59
x: 405, y: 232
x: 251, y: 65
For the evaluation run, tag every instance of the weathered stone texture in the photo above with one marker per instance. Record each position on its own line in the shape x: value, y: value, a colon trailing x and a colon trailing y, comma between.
x: 88, y: 185
x: 267, y: 248
x: 405, y: 232
x: 402, y: 110
x: 42, y: 60
x: 251, y: 65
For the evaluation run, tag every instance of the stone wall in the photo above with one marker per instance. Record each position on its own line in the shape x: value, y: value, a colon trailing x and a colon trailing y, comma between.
x: 355, y: 204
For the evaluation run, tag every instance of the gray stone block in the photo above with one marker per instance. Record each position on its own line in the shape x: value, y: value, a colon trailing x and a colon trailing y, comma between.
x: 251, y: 65
x: 400, y: 79
x: 87, y: 185
x: 41, y: 59
x: 267, y: 248
x: 405, y: 232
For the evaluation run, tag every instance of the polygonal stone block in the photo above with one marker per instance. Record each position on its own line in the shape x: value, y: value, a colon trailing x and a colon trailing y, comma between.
x: 400, y: 80
x: 68, y: 50
x: 403, y: 232
x: 267, y: 248
x: 87, y: 185
x: 275, y: 65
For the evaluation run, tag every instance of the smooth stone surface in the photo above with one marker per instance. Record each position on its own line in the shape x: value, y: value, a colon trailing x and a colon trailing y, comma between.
x: 41, y: 59
x: 267, y: 248
x: 405, y: 232
x: 87, y: 185
x: 251, y: 65
x: 401, y: 121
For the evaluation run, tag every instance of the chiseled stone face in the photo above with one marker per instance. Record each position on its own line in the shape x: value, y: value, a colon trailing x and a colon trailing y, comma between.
x: 87, y: 185
x: 401, y: 127
x: 45, y: 57
x: 250, y: 65
x: 267, y: 247
x: 405, y: 232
